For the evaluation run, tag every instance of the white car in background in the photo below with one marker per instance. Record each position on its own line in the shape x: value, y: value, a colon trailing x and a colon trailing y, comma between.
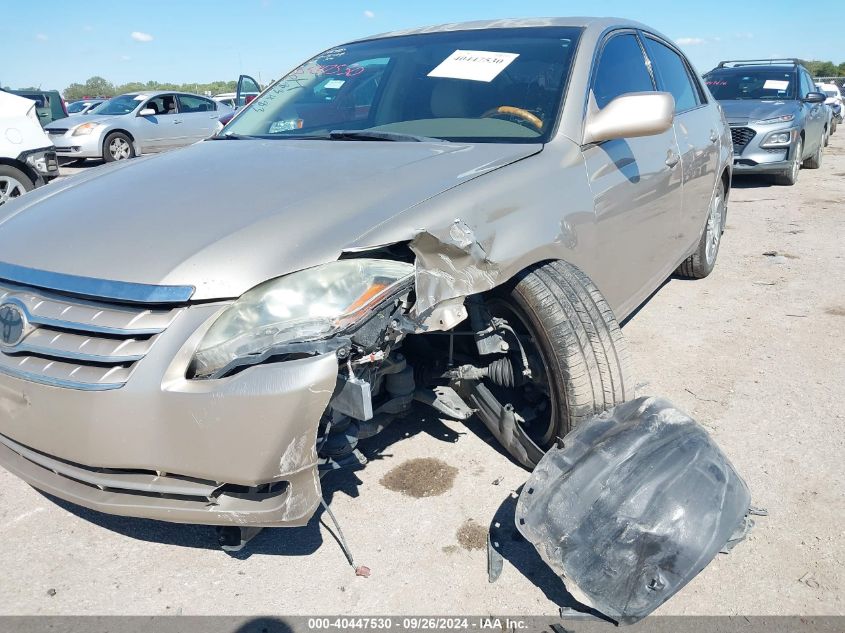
x: 834, y: 100
x: 83, y: 106
x: 27, y: 157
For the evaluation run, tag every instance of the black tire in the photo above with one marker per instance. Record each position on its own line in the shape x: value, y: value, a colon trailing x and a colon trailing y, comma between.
x: 586, y: 365
x: 117, y: 140
x: 815, y: 161
x: 827, y: 137
x: 13, y: 183
x: 703, y: 260
x: 790, y: 176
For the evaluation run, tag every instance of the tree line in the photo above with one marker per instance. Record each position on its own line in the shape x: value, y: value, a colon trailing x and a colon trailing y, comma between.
x: 100, y: 87
x: 824, y: 69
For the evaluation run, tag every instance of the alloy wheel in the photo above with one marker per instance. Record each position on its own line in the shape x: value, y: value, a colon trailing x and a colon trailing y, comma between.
x: 714, y: 227
x: 10, y: 188
x: 796, y: 162
x: 119, y: 149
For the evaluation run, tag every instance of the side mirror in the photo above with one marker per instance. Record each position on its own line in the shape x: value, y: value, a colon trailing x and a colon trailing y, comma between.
x: 630, y: 115
x: 147, y: 112
x: 815, y: 97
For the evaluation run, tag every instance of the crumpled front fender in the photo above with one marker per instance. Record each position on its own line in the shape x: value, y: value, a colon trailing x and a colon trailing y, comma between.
x: 637, y: 502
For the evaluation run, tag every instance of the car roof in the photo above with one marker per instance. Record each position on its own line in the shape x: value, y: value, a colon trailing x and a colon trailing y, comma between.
x: 156, y: 93
x: 589, y: 23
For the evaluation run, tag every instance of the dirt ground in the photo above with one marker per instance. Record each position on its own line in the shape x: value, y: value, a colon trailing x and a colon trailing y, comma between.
x: 754, y: 352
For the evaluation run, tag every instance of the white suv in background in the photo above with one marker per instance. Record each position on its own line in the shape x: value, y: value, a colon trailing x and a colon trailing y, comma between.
x: 834, y: 100
x: 27, y: 157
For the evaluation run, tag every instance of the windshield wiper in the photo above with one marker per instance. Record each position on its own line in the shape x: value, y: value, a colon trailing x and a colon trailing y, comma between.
x: 373, y: 135
x: 230, y: 136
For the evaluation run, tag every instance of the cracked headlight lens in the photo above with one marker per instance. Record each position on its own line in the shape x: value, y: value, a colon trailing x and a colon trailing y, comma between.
x: 308, y: 305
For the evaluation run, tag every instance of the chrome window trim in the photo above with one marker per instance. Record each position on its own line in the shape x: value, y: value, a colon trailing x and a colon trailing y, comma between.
x: 126, y: 291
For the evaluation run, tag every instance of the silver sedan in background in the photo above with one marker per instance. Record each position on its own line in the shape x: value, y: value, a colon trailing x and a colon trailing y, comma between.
x: 137, y: 123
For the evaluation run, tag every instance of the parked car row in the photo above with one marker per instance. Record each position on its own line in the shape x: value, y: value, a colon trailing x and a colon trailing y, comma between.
x: 136, y: 123
x: 27, y: 158
x: 778, y: 118
x: 458, y: 215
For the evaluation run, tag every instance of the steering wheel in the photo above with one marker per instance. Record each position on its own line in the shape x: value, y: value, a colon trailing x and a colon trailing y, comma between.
x: 520, y: 113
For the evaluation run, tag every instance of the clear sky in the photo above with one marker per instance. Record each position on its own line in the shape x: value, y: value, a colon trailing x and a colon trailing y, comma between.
x: 55, y: 42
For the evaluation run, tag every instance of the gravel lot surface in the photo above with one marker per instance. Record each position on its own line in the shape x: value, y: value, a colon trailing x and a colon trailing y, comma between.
x: 754, y: 352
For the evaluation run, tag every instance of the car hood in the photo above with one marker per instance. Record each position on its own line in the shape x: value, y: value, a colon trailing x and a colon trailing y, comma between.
x: 73, y: 120
x: 744, y: 111
x: 224, y: 216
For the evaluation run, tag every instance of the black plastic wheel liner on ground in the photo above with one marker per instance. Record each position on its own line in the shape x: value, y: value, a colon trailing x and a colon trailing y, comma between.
x: 637, y: 502
x: 582, y: 360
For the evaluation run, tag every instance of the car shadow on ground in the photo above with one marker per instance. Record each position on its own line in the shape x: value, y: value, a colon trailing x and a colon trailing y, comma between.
x: 522, y: 555
x: 752, y: 182
x: 299, y: 541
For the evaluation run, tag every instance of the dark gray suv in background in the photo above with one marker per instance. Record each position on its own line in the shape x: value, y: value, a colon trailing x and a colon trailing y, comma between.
x: 777, y: 117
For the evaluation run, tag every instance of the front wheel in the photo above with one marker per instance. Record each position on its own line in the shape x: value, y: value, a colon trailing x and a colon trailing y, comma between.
x: 790, y: 176
x: 117, y: 146
x: 13, y: 183
x: 815, y: 161
x: 703, y: 260
x: 579, y: 363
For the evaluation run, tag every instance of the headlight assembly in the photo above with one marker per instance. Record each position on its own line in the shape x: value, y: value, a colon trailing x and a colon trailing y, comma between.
x: 309, y: 305
x: 778, y: 139
x: 786, y: 118
x: 85, y: 128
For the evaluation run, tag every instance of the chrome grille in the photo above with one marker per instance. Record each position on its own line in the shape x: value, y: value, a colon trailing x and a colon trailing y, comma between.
x: 77, y: 343
x: 741, y: 136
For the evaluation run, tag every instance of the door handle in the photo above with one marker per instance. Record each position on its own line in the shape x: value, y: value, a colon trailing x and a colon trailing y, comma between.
x: 672, y: 159
x: 176, y: 122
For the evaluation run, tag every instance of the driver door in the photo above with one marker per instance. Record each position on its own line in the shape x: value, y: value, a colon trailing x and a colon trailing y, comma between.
x: 160, y: 130
x: 636, y: 183
x: 248, y: 89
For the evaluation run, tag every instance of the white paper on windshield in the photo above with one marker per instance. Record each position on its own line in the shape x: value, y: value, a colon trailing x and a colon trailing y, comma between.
x: 140, y: 97
x: 473, y: 65
x: 775, y: 84
x: 334, y: 84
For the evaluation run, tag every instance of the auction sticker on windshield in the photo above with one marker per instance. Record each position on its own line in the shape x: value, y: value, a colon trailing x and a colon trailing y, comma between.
x: 775, y: 84
x: 473, y: 65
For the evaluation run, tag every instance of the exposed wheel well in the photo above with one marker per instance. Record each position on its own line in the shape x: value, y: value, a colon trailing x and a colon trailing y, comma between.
x: 26, y: 169
x: 131, y: 138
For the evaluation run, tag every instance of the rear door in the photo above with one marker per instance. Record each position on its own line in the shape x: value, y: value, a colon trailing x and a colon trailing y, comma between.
x: 816, y: 115
x: 248, y: 89
x: 697, y: 130
x: 636, y: 183
x: 199, y: 118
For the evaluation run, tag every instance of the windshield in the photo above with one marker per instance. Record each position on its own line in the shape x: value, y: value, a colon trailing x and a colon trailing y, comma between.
x: 751, y: 83
x: 124, y: 104
x: 76, y: 106
x: 491, y: 85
